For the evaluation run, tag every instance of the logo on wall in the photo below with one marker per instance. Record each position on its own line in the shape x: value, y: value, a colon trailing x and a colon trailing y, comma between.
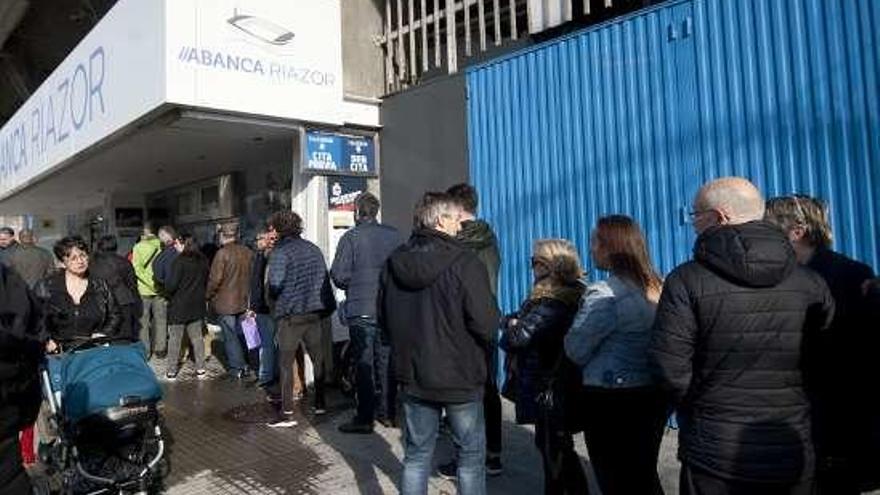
x: 261, y: 29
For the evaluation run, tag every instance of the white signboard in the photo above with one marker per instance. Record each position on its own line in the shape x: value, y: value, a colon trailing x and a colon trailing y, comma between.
x: 109, y: 80
x: 280, y: 58
x: 277, y: 58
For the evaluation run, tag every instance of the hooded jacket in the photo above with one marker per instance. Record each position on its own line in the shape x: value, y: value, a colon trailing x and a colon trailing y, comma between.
x: 142, y: 256
x: 727, y: 345
x: 477, y: 235
x: 437, y: 309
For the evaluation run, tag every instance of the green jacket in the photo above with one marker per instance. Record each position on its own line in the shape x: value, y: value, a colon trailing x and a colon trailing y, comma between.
x: 142, y: 256
x: 478, y: 236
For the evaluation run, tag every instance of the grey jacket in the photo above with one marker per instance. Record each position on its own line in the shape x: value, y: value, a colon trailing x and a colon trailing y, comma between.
x: 610, y: 334
x: 32, y: 263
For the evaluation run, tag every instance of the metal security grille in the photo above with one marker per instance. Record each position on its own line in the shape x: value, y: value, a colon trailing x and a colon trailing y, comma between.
x: 436, y: 36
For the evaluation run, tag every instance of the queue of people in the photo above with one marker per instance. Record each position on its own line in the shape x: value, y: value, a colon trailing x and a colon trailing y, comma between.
x: 759, y: 344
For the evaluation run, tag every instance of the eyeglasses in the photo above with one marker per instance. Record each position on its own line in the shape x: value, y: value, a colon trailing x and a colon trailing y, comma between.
x: 696, y: 213
x: 77, y: 257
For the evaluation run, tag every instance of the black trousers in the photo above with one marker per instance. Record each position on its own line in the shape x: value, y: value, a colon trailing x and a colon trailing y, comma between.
x: 492, y: 412
x: 695, y: 481
x: 293, y: 330
x: 623, y: 429
x: 563, y: 471
x: 13, y: 479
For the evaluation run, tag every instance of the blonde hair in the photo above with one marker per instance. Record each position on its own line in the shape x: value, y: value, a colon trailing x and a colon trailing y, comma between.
x: 561, y: 257
x: 807, y: 212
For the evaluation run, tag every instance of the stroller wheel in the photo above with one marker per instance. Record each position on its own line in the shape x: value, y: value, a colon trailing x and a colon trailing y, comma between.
x: 41, y: 485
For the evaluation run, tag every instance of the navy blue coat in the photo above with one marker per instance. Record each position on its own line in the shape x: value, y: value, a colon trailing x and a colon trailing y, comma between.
x: 358, y: 263
x: 298, y: 280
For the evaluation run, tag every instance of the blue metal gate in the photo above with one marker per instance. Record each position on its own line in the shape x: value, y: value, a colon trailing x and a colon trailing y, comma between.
x: 632, y: 116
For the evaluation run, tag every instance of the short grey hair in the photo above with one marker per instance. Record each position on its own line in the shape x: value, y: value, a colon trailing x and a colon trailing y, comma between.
x: 735, y: 196
x: 432, y: 207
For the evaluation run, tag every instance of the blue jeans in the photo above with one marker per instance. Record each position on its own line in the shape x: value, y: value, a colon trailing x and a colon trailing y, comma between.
x: 232, y: 333
x: 420, y: 436
x: 374, y: 397
x: 266, y: 326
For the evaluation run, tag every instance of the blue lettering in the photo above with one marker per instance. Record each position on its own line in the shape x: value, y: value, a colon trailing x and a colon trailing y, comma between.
x: 258, y: 67
x: 36, y: 134
x: 247, y: 65
x: 218, y: 61
x: 19, y: 143
x: 206, y: 57
x: 193, y: 56
x: 63, y: 89
x: 78, y: 122
x: 232, y: 63
x: 50, y: 123
x: 96, y: 80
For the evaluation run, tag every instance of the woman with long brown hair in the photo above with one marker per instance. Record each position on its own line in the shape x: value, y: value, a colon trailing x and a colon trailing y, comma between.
x: 624, y: 411
x: 546, y: 380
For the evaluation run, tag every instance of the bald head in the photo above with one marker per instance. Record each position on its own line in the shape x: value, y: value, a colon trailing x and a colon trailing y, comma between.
x: 733, y: 200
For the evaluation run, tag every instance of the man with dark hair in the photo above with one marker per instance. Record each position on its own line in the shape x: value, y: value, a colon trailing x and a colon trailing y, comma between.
x: 436, y: 306
x: 162, y: 263
x: 300, y: 287
x: 7, y: 243
x: 477, y: 235
x: 228, y: 290
x: 258, y: 308
x: 727, y: 345
x: 161, y: 273
x: 30, y: 261
x: 153, y: 322
x: 119, y: 275
x: 20, y: 354
x: 360, y: 257
x: 841, y: 365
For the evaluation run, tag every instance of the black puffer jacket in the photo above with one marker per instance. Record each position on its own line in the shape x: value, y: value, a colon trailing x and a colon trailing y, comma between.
x: 727, y: 345
x: 534, y: 336
x: 435, y: 304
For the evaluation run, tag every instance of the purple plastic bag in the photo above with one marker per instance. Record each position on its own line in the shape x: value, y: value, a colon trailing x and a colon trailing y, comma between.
x: 251, y: 332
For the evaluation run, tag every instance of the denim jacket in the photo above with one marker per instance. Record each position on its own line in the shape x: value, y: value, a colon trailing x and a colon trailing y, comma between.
x: 610, y: 334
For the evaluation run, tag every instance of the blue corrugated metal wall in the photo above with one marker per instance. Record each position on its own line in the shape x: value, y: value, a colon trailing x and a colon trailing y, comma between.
x: 632, y: 116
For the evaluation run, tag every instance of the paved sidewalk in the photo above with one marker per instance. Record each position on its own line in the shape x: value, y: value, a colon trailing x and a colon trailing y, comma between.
x: 222, y: 445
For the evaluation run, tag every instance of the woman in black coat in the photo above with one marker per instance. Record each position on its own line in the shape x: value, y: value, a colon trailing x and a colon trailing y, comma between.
x: 534, y: 336
x: 119, y: 275
x: 75, y: 305
x: 186, y: 304
x: 839, y: 362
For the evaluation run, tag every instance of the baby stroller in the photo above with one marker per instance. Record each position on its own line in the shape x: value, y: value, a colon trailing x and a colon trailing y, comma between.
x: 102, y: 400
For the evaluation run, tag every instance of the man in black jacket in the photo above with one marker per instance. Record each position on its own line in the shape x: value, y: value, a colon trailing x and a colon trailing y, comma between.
x: 359, y: 259
x: 20, y: 352
x: 841, y: 364
x: 727, y: 346
x: 477, y: 235
x: 436, y: 305
x: 161, y: 272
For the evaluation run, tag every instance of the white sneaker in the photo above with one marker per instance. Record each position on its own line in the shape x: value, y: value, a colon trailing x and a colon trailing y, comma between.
x: 284, y: 422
